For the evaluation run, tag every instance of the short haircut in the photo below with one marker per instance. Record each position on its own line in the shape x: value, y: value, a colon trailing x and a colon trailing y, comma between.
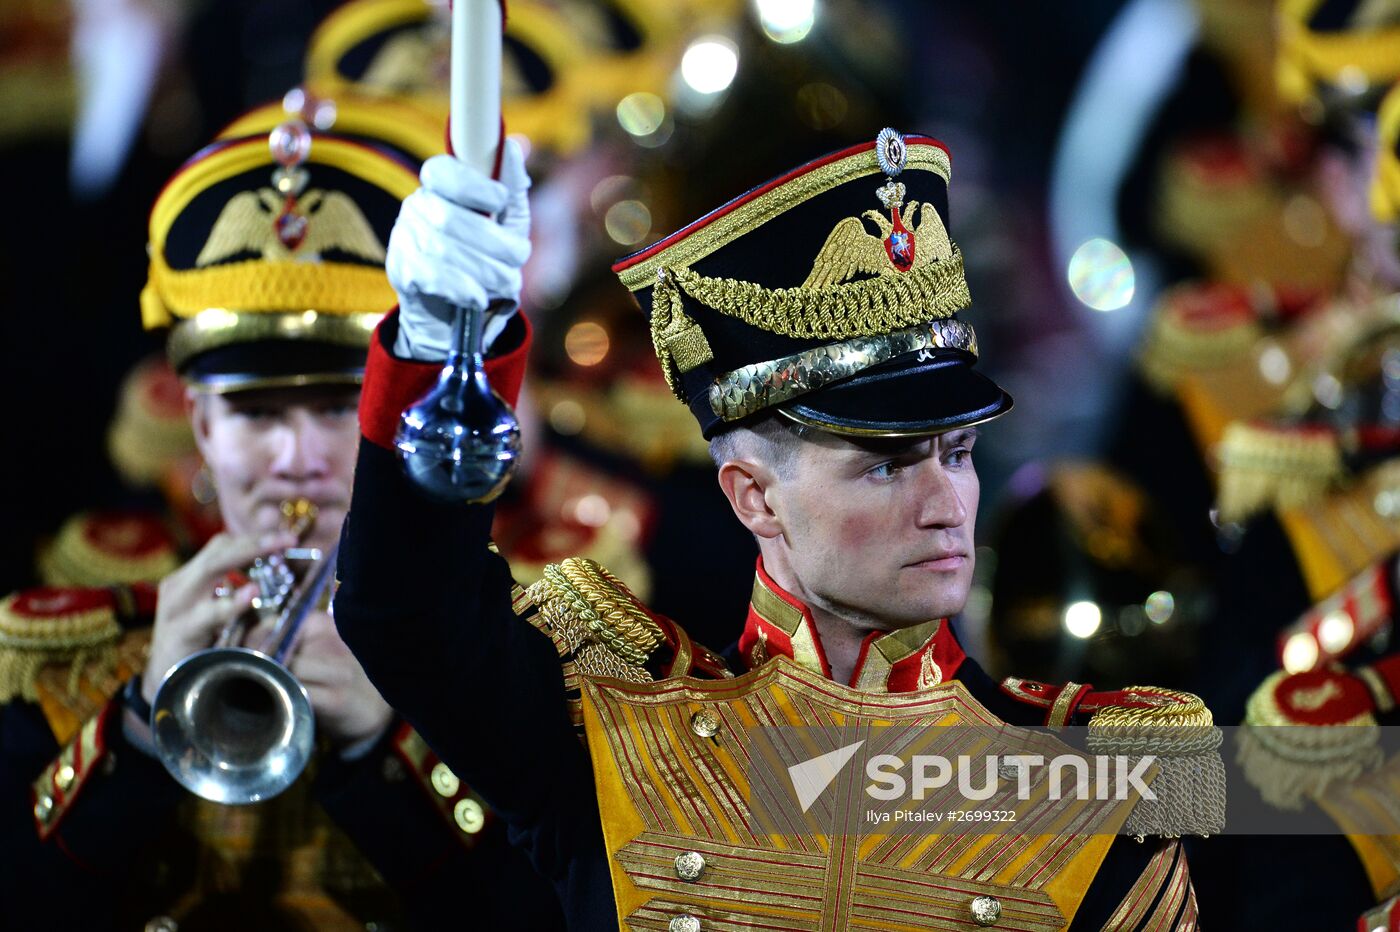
x: 771, y: 439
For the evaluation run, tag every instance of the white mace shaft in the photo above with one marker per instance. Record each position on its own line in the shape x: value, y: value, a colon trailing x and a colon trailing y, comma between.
x: 476, y: 82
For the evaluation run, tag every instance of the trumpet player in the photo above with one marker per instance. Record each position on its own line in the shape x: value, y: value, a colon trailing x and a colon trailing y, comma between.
x: 267, y: 267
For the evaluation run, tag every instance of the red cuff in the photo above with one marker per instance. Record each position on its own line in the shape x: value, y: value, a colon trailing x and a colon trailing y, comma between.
x: 392, y: 384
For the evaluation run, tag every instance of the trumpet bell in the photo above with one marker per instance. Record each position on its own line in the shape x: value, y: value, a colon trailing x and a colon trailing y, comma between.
x: 232, y: 725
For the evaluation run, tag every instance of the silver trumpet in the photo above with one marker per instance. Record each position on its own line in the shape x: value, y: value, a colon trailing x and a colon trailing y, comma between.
x: 231, y: 723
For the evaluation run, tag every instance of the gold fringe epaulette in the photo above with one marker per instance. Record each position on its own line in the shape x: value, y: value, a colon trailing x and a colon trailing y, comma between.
x: 1179, y: 731
x: 595, y: 620
x: 150, y: 430
x: 1197, y: 326
x: 108, y: 549
x: 1306, y: 731
x: 39, y: 627
x: 1265, y: 466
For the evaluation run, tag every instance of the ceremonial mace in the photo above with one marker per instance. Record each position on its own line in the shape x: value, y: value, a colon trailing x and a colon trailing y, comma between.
x: 459, y: 442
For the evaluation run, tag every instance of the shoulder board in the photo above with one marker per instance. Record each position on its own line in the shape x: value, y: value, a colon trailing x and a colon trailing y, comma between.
x: 1348, y: 618
x: 1174, y: 727
x: 109, y: 548
x: 1136, y: 705
x: 59, y: 785
x: 454, y: 800
x: 601, y: 629
x: 1384, y: 916
x: 67, y: 627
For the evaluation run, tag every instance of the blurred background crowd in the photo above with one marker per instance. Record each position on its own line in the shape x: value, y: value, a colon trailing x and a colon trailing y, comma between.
x: 1179, y: 224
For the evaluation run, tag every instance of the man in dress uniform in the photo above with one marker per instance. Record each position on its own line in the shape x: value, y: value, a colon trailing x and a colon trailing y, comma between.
x: 810, y: 326
x: 267, y: 266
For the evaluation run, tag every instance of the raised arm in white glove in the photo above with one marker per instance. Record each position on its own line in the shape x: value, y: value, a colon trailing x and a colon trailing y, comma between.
x: 460, y: 239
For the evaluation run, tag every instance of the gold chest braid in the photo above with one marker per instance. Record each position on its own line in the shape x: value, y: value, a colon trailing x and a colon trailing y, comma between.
x: 670, y: 754
x: 670, y: 759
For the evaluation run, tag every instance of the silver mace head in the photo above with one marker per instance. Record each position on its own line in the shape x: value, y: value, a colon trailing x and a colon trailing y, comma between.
x: 460, y: 442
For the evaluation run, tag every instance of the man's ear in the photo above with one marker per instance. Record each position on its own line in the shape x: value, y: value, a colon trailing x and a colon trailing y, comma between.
x: 747, y: 486
x: 197, y: 408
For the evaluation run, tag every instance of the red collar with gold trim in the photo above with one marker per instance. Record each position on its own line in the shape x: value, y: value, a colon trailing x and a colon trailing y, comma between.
x: 892, y: 662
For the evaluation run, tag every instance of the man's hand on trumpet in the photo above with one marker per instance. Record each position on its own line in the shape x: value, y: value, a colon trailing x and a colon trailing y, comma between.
x: 349, y: 710
x: 189, y: 617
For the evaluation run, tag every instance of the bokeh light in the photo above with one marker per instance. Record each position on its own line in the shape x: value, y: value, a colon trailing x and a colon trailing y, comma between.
x: 1335, y: 631
x: 786, y: 21
x: 627, y: 222
x: 1101, y: 275
x: 1082, y: 619
x: 567, y: 417
x: 586, y: 343
x: 710, y: 64
x: 1300, y: 652
x: 641, y: 114
x: 1159, y: 606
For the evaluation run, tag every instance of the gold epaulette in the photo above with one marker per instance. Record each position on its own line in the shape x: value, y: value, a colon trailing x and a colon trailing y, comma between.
x: 39, y: 627
x: 1264, y: 466
x: 601, y: 629
x: 150, y: 431
x: 1306, y: 731
x: 595, y: 620
x: 109, y: 549
x: 1179, y: 731
x: 1197, y: 326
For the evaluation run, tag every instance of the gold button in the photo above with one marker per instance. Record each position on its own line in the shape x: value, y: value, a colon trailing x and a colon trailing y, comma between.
x: 704, y: 723
x: 162, y: 924
x: 686, y: 923
x: 689, y: 866
x: 43, y: 809
x: 469, y: 815
x: 986, y: 910
x: 445, y: 781
x: 64, y: 778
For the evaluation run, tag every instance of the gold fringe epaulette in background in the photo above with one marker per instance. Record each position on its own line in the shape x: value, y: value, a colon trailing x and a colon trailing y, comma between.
x: 1178, y: 730
x: 150, y: 431
x: 39, y: 627
x: 594, y: 620
x: 1305, y: 731
x: 1266, y: 466
x: 108, y: 549
x: 1196, y: 326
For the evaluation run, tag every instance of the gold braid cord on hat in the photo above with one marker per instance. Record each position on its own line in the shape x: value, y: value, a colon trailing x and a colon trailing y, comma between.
x: 838, y: 311
x: 745, y: 391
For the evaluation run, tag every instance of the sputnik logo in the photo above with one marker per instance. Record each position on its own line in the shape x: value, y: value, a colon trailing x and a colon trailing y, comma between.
x: 811, y: 777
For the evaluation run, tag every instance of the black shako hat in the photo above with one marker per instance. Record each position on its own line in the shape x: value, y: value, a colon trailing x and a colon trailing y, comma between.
x: 828, y: 294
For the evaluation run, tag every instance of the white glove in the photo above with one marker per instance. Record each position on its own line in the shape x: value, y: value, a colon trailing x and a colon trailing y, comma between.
x: 446, y: 253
